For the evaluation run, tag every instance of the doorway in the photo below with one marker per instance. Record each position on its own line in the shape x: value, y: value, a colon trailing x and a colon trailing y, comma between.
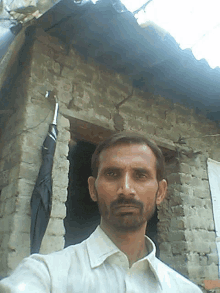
x: 82, y: 215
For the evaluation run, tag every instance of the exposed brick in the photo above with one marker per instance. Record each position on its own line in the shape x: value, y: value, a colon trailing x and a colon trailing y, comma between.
x: 184, y: 168
x: 64, y: 122
x: 186, y: 178
x: 201, y: 193
x: 4, y: 178
x: 65, y: 60
x: 67, y: 73
x: 55, y: 227
x: 8, y: 191
x: 176, y: 236
x: 58, y: 210
x: 170, y: 117
x: 103, y: 111
x: 6, y: 224
x: 42, y: 48
x: 178, y: 210
x: 178, y: 222
x: 212, y: 284
x: 28, y: 172
x: 60, y: 193
x: 174, y: 178
x: 212, y: 258
x: 25, y: 187
x: 21, y: 223
x: 165, y: 247
x: 16, y: 255
x: 5, y: 240
x: 117, y: 95
x: 178, y: 247
x: 139, y: 125
x: 51, y: 244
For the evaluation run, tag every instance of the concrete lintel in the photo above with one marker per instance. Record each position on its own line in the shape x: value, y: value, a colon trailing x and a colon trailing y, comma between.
x: 82, y: 121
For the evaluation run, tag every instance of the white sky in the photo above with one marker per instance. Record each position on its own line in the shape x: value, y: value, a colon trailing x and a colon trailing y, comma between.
x: 194, y: 24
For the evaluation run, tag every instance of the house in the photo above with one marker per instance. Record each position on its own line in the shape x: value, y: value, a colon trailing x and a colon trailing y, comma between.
x: 107, y: 80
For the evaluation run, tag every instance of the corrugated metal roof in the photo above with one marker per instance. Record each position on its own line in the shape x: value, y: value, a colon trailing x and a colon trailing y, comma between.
x: 13, y: 13
x: 152, y: 59
x: 194, y: 24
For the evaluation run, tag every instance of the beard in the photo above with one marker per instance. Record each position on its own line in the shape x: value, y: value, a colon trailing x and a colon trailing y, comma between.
x: 125, y: 221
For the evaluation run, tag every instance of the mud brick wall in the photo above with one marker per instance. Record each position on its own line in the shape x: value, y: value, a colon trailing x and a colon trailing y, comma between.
x: 88, y: 94
x: 20, y: 160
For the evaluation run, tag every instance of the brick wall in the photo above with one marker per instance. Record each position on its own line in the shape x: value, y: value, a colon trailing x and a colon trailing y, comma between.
x: 20, y: 162
x: 89, y: 93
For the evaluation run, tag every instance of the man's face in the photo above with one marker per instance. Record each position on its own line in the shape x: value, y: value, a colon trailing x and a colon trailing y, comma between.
x: 126, y: 188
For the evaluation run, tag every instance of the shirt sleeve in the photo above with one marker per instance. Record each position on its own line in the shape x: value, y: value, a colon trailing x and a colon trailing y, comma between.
x: 31, y: 276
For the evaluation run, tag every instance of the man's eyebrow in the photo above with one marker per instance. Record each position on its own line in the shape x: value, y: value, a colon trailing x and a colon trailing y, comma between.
x: 110, y: 169
x: 143, y: 170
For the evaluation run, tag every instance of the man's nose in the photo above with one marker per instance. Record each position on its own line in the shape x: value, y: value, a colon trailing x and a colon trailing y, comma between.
x: 126, y: 186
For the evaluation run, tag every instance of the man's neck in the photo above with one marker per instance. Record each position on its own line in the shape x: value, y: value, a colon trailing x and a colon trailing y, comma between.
x: 131, y: 243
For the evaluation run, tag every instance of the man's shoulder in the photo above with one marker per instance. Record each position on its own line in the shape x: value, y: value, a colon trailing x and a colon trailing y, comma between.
x: 45, y: 270
x: 169, y: 275
x: 67, y: 253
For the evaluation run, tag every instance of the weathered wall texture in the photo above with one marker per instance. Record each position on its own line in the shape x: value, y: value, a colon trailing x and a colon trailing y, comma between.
x: 89, y: 92
x: 20, y: 162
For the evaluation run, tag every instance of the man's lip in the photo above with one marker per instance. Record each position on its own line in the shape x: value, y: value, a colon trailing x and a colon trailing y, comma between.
x: 126, y: 206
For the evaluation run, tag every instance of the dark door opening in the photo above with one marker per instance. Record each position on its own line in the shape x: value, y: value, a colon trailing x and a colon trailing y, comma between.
x: 82, y: 216
x: 151, y: 231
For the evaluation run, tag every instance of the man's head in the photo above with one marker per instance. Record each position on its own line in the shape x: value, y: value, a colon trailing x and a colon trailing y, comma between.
x: 127, y: 180
x: 129, y: 139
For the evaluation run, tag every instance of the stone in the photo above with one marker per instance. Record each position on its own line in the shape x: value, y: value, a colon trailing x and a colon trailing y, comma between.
x: 177, y: 223
x: 174, y: 178
x: 165, y: 247
x: 212, y: 258
x: 55, y: 227
x: 178, y: 211
x: 185, y: 178
x: 184, y: 168
x: 176, y: 236
x: 59, y: 193
x: 64, y: 122
x: 52, y: 244
x: 21, y: 223
x: 178, y: 247
x: 4, y: 178
x: 58, y: 209
x: 29, y: 172
x: 6, y: 223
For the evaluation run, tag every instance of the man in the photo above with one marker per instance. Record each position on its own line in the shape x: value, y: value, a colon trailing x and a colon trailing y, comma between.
x: 127, y: 183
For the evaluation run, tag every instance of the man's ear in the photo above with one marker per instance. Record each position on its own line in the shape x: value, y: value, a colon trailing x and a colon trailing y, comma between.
x: 92, y: 190
x: 162, y: 191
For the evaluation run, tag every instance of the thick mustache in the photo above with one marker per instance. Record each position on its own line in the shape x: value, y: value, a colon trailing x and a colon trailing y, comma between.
x: 128, y: 202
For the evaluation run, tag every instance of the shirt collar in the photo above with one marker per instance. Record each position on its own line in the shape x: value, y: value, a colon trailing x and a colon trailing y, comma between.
x: 100, y: 247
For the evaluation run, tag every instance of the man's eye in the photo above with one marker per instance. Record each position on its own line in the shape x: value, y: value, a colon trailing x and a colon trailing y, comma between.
x: 141, y: 175
x: 111, y: 174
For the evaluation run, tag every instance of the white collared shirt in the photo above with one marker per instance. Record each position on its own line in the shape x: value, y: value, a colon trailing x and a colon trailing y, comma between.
x: 95, y: 266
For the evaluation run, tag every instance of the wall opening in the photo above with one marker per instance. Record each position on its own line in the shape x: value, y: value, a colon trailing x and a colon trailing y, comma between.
x: 82, y: 213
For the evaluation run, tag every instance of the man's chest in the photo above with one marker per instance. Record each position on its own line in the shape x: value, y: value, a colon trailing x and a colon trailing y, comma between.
x: 111, y: 279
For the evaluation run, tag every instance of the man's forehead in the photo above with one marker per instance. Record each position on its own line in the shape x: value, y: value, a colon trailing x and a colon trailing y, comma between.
x: 125, y: 149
